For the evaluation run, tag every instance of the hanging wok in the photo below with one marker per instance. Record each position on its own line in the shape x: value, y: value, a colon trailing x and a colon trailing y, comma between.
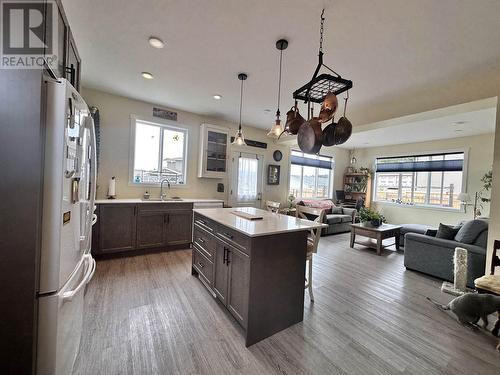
x: 310, y: 136
x: 294, y: 120
x: 343, y: 131
x: 329, y: 134
x: 328, y: 107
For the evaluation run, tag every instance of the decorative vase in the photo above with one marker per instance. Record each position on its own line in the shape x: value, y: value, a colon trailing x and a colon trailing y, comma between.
x: 376, y: 222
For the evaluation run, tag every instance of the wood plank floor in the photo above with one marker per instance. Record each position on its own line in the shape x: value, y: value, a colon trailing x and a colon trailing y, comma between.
x: 148, y: 315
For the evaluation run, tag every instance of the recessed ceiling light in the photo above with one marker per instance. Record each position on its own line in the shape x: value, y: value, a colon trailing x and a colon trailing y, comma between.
x: 459, y: 122
x: 217, y: 97
x: 147, y: 75
x: 458, y: 130
x: 156, y: 42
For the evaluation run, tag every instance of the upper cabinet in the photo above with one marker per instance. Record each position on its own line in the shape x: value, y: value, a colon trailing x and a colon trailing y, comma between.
x: 68, y: 59
x: 213, y: 161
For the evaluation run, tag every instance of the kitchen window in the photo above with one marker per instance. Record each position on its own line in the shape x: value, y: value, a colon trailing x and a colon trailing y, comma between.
x: 433, y: 180
x: 159, y: 153
x: 311, y: 176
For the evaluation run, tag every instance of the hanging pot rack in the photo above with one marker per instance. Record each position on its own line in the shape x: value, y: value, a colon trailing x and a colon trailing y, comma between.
x: 320, y: 85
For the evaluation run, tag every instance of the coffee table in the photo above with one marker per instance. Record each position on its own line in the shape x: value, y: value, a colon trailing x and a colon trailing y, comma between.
x: 376, y: 235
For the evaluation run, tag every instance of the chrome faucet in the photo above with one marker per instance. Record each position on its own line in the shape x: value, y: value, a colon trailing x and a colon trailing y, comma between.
x: 162, y: 194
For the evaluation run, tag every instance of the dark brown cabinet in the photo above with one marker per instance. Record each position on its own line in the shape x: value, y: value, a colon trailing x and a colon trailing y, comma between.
x: 150, y: 229
x: 117, y: 227
x: 238, y: 267
x: 259, y: 280
x: 220, y: 271
x: 178, y: 227
x: 123, y: 227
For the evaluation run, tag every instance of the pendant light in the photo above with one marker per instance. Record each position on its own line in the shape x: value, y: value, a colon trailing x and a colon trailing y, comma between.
x: 239, y: 139
x: 277, y: 129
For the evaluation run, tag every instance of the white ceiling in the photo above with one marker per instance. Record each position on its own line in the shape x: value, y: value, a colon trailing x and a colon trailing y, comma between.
x: 430, y: 53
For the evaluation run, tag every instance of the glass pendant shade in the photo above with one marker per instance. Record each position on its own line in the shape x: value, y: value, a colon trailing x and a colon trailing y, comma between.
x: 276, y: 130
x: 239, y: 140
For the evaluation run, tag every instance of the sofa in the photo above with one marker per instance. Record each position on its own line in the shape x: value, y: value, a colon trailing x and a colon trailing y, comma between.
x: 339, y: 219
x: 434, y: 256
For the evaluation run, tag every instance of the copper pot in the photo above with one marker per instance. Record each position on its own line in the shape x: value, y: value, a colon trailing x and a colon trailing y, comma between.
x: 343, y: 130
x: 329, y: 134
x: 310, y: 136
x: 328, y: 107
x: 294, y: 120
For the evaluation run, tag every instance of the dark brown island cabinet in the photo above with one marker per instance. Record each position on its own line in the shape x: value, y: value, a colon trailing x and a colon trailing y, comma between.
x: 259, y: 279
x: 125, y: 227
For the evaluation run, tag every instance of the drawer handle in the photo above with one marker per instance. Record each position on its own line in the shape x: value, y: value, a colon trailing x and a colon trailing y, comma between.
x: 228, y: 235
x: 201, y: 264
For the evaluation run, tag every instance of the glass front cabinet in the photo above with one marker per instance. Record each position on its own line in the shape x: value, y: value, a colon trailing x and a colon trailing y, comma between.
x: 213, y: 151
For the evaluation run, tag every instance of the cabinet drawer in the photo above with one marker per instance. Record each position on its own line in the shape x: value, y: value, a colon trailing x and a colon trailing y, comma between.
x: 205, y: 241
x: 235, y: 238
x: 204, y: 266
x: 204, y: 223
x: 166, y: 207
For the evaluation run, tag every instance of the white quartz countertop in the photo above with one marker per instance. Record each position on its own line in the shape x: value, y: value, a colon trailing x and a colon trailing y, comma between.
x: 138, y: 200
x: 272, y: 223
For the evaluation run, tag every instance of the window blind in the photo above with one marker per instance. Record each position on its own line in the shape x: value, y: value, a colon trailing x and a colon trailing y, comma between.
x: 410, y: 164
x: 322, y: 162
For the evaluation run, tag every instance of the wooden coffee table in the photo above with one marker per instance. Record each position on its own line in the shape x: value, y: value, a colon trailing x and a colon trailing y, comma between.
x: 376, y: 235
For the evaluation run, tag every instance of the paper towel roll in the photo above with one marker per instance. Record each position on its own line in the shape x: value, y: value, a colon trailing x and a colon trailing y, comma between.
x: 112, y: 187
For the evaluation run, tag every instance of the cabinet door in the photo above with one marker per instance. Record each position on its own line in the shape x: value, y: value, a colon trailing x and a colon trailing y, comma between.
x: 179, y: 227
x: 117, y: 227
x: 73, y: 64
x: 150, y: 229
x: 238, y: 284
x: 220, y: 271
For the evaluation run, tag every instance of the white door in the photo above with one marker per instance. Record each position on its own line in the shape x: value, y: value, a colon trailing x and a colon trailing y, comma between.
x: 246, y: 180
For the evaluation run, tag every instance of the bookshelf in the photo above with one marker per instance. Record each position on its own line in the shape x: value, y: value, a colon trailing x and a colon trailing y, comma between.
x: 358, y: 185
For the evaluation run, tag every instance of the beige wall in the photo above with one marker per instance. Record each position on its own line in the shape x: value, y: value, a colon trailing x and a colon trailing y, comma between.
x: 494, y: 228
x: 480, y: 160
x: 115, y: 112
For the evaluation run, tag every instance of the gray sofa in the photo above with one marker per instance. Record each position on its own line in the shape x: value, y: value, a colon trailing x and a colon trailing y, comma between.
x: 434, y: 256
x: 339, y: 219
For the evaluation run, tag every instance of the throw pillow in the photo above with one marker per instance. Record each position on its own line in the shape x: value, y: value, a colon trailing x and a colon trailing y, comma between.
x: 447, y: 232
x: 470, y: 231
x: 431, y: 232
x: 337, y: 210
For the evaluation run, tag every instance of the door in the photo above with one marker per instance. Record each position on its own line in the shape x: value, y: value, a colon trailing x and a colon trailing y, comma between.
x: 60, y: 318
x: 117, y: 227
x: 238, y: 284
x: 220, y: 271
x: 246, y: 180
x: 179, y: 227
x: 151, y: 229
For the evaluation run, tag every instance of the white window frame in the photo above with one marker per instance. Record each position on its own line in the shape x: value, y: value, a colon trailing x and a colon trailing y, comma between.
x: 330, y: 187
x: 465, y: 151
x: 164, y: 124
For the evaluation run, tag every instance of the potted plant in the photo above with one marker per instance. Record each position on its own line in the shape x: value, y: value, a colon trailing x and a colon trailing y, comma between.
x: 371, y: 217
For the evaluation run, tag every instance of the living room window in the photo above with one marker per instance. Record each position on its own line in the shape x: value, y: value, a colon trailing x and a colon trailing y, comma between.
x: 428, y: 180
x: 158, y: 152
x: 311, y: 175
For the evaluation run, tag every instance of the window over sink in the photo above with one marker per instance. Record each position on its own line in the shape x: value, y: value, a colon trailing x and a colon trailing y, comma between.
x: 158, y: 152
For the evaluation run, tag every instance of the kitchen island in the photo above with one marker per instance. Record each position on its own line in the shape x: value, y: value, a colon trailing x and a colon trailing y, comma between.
x: 255, y: 268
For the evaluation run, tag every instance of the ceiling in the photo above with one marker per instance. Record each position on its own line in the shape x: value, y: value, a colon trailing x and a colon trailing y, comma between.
x: 402, y: 59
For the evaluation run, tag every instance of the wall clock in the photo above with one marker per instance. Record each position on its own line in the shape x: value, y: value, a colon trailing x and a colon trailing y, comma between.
x: 277, y: 155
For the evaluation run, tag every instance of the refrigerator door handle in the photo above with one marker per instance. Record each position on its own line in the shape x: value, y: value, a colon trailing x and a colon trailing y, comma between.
x: 68, y: 296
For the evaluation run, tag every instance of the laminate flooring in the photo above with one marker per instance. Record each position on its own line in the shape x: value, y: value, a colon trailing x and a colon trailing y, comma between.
x: 147, y: 315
